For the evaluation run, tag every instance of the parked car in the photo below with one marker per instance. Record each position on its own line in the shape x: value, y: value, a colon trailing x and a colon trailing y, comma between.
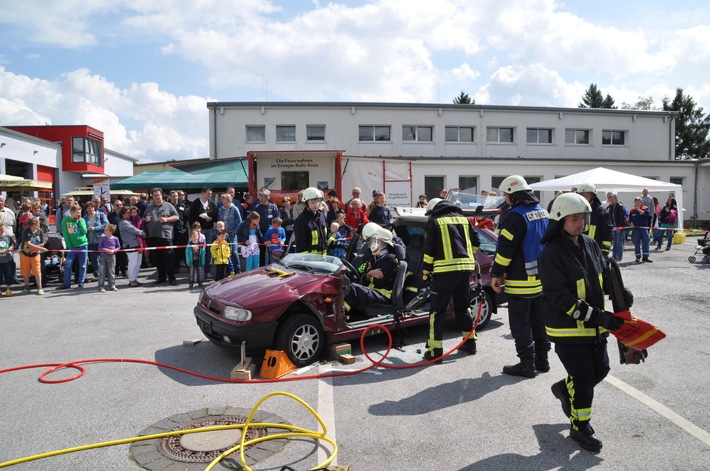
x: 296, y: 304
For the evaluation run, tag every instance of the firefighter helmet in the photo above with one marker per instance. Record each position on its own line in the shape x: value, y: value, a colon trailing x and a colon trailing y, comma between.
x: 372, y: 229
x: 433, y: 202
x: 513, y: 184
x: 312, y: 193
x: 569, y: 203
x: 587, y: 188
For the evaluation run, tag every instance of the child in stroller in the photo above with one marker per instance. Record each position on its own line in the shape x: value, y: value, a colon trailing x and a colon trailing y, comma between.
x: 704, y: 247
x: 53, y: 259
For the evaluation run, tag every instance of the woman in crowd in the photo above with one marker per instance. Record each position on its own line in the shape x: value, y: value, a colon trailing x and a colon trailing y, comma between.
x: 95, y: 223
x: 130, y: 239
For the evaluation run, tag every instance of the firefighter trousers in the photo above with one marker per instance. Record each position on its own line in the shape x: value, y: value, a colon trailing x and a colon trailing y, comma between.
x: 360, y: 295
x: 587, y: 364
x: 527, y: 326
x: 443, y: 287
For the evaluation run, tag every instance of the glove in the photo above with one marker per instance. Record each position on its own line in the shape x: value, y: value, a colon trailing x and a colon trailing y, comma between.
x: 597, y: 317
x: 628, y: 298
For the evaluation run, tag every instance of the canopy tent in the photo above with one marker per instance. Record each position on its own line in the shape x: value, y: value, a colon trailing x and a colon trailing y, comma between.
x: 611, y: 180
x: 85, y: 192
x: 216, y: 175
x: 22, y: 184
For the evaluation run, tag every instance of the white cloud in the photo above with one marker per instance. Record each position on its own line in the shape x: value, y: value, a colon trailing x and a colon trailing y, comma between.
x: 529, y: 85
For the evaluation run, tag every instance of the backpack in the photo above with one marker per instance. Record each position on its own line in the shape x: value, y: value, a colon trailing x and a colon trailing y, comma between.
x: 672, y: 214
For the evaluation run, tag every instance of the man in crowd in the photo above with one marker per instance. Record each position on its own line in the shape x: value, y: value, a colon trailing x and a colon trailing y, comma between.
x: 204, y: 211
x: 114, y: 217
x: 179, y: 229
x: 142, y: 204
x: 160, y: 218
x: 62, y: 212
x: 515, y: 267
x: 267, y: 212
x: 74, y: 232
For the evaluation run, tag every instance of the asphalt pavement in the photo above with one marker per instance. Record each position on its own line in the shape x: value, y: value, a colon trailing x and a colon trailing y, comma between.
x: 461, y: 415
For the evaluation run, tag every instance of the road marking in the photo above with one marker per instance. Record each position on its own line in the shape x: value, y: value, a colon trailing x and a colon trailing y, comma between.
x: 681, y: 422
x: 326, y: 411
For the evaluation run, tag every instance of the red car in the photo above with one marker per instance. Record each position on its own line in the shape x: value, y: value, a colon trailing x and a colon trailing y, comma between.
x: 296, y: 304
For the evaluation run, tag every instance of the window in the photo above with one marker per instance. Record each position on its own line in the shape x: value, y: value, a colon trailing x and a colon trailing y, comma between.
x: 613, y: 138
x: 87, y: 150
x: 374, y: 133
x: 432, y: 186
x: 256, y: 133
x: 459, y: 134
x: 294, y: 181
x: 468, y: 184
x: 417, y: 133
x: 503, y: 135
x: 315, y: 132
x: 539, y: 136
x: 285, y: 133
x: 576, y: 136
x: 676, y: 180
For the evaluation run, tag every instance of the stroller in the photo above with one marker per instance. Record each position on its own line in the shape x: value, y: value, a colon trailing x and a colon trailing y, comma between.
x: 704, y: 247
x: 53, y: 261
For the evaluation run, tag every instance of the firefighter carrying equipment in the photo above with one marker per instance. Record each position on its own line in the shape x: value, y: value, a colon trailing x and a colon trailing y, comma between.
x: 637, y: 333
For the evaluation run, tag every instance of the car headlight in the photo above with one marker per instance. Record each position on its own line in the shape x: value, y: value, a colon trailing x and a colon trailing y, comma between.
x: 237, y: 313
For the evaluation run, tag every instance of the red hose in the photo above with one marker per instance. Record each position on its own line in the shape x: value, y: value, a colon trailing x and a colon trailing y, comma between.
x: 77, y: 365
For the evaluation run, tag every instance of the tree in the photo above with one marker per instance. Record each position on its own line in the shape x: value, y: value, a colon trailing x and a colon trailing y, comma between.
x: 464, y: 99
x: 593, y: 98
x: 691, y: 126
x: 643, y: 103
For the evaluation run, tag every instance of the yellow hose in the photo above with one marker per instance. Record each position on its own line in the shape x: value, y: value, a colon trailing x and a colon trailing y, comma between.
x: 294, y: 432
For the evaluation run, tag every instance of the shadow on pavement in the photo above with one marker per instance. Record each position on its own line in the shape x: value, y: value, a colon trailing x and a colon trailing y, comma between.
x: 203, y: 358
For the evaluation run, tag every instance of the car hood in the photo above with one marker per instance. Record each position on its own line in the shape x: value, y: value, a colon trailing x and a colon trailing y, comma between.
x: 257, y: 287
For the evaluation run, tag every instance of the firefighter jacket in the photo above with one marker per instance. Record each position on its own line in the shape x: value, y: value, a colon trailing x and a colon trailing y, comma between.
x: 600, y: 226
x: 569, y: 273
x: 451, y: 243
x: 518, y: 249
x: 309, y: 231
x: 388, y: 263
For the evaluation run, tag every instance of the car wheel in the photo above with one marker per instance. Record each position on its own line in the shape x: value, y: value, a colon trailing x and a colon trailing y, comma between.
x: 302, y: 338
x: 486, y: 311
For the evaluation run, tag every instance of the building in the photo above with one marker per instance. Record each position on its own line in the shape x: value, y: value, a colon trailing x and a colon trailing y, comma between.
x: 64, y: 156
x: 408, y: 149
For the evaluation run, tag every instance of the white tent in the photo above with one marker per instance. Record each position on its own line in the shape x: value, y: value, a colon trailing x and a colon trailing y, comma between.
x: 612, y: 180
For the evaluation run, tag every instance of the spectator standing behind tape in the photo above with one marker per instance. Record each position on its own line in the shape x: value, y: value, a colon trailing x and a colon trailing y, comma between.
x: 130, y: 239
x: 204, y: 211
x: 160, y: 218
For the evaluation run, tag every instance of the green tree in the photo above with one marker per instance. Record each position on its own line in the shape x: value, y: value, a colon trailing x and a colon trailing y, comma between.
x: 691, y: 125
x: 464, y: 99
x: 593, y: 98
x: 643, y: 103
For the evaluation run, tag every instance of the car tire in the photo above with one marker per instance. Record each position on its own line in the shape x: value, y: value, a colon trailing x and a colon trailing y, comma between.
x: 486, y: 311
x: 302, y: 338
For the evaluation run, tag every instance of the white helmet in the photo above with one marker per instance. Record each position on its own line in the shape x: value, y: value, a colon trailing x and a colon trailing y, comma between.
x: 587, y: 188
x: 432, y: 202
x: 569, y: 203
x: 513, y: 184
x: 312, y: 193
x: 372, y: 229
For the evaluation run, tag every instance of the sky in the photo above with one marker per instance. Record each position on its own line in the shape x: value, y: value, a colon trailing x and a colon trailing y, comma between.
x: 142, y: 71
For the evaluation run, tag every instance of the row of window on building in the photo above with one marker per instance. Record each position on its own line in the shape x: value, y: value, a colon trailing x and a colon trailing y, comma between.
x: 452, y: 134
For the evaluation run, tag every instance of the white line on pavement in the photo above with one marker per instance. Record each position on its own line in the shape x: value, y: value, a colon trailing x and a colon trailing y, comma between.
x: 326, y: 411
x: 681, y: 422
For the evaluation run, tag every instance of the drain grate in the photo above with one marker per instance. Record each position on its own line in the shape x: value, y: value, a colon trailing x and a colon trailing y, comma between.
x: 193, y: 448
x: 194, y: 451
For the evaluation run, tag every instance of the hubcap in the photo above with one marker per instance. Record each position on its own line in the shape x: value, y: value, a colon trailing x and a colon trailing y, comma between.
x: 305, y: 342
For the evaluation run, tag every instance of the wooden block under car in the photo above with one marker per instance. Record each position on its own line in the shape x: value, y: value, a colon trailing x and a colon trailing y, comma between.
x: 347, y: 358
x: 244, y: 370
x: 339, y: 349
x: 339, y: 467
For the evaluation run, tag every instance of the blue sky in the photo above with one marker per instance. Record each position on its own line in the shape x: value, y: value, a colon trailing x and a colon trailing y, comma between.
x: 143, y: 70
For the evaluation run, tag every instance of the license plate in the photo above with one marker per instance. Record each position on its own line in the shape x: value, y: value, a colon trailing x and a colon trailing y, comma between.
x: 205, y: 326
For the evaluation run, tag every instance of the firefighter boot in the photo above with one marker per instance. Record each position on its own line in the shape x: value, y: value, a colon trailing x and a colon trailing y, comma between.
x: 542, y: 364
x: 525, y: 368
x: 469, y: 347
x: 559, y: 390
x: 433, y: 353
x: 583, y: 433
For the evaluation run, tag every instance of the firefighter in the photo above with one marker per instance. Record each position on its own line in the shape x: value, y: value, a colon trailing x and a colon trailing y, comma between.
x: 600, y: 223
x: 515, y: 271
x: 449, y: 257
x: 309, y: 227
x: 379, y: 269
x: 572, y: 273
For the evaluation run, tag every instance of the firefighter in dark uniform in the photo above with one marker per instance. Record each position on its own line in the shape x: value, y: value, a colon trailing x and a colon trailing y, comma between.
x: 515, y: 270
x: 572, y: 271
x: 600, y: 221
x: 449, y: 257
x: 310, y: 226
x: 379, y: 269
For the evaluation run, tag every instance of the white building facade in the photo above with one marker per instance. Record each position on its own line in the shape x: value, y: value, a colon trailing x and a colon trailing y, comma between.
x: 412, y: 149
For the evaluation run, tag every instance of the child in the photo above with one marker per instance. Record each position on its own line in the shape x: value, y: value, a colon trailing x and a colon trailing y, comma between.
x: 336, y: 241
x: 220, y: 255
x: 276, y: 236
x: 250, y: 235
x: 7, y: 242
x: 221, y: 226
x: 195, y: 257
x: 108, y: 245
x: 33, y: 240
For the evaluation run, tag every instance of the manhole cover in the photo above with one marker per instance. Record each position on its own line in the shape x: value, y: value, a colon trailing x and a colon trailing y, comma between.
x: 183, y: 451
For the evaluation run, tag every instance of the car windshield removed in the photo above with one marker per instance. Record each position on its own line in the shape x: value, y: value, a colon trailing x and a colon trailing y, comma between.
x: 465, y: 199
x: 312, y: 262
